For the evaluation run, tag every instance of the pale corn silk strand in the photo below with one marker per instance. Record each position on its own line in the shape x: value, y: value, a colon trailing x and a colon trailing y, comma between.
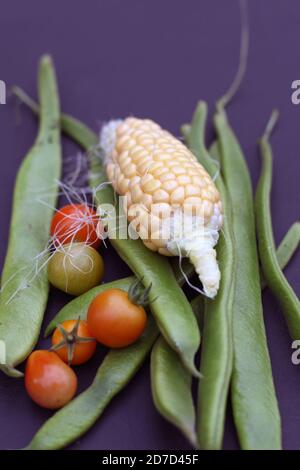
x: 195, y: 241
x: 73, y: 190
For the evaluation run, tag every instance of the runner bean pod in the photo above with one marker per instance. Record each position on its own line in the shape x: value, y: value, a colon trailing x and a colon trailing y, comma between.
x: 24, y: 293
x: 254, y: 402
x: 217, y: 347
x: 274, y: 276
x: 287, y: 248
x: 171, y: 389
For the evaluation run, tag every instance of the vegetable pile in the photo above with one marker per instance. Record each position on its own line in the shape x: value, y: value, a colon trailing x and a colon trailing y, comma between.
x: 182, y: 200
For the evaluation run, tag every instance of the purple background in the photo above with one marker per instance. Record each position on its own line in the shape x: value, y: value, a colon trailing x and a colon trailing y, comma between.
x: 156, y: 59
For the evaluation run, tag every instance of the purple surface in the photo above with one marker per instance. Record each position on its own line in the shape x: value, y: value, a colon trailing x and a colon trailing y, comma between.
x: 154, y: 59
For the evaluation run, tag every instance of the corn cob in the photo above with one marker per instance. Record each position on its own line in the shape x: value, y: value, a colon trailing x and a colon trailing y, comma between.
x: 170, y: 200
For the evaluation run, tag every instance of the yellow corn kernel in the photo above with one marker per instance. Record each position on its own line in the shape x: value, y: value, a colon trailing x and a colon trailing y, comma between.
x: 161, y: 179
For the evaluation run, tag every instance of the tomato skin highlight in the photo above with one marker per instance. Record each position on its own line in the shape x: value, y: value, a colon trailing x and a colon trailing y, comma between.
x: 82, y: 351
x: 76, y: 223
x: 48, y: 380
x: 114, y: 320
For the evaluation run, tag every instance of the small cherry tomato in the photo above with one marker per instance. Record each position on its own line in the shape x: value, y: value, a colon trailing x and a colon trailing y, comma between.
x: 48, y: 380
x: 73, y: 342
x: 114, y: 320
x: 76, y: 223
x: 75, y: 268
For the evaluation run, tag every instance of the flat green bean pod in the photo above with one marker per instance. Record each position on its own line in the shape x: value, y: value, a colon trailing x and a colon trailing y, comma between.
x: 171, y: 389
x: 171, y: 308
x: 72, y: 421
x: 24, y: 283
x: 254, y: 402
x: 288, y: 245
x: 287, y: 248
x: 217, y: 347
x: 274, y: 276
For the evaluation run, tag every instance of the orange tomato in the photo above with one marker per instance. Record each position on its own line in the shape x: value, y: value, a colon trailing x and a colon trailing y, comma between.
x: 76, y: 223
x: 114, y: 320
x: 48, y: 380
x: 83, y: 350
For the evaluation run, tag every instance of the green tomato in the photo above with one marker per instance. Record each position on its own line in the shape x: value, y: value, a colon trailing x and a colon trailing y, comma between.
x: 75, y: 268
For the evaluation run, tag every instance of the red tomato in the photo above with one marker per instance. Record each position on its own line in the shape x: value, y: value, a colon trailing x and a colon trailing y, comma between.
x: 76, y: 223
x: 83, y: 350
x: 48, y: 380
x: 114, y: 320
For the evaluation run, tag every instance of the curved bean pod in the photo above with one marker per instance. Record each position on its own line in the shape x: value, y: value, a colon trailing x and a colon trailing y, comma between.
x: 288, y: 245
x: 72, y: 421
x: 287, y: 248
x: 24, y: 294
x: 217, y: 347
x: 254, y: 402
x: 276, y: 280
x: 214, y: 151
x: 171, y: 382
x: 171, y: 309
x: 171, y: 389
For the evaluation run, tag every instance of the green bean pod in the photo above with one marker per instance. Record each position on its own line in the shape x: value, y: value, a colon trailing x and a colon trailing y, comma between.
x: 171, y: 389
x: 217, y: 347
x: 274, y: 276
x: 214, y: 151
x: 287, y: 248
x: 24, y: 292
x: 288, y: 245
x: 72, y: 421
x: 254, y: 402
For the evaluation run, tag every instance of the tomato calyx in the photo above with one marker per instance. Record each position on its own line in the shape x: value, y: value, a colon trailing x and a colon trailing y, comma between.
x: 139, y: 296
x: 70, y: 340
